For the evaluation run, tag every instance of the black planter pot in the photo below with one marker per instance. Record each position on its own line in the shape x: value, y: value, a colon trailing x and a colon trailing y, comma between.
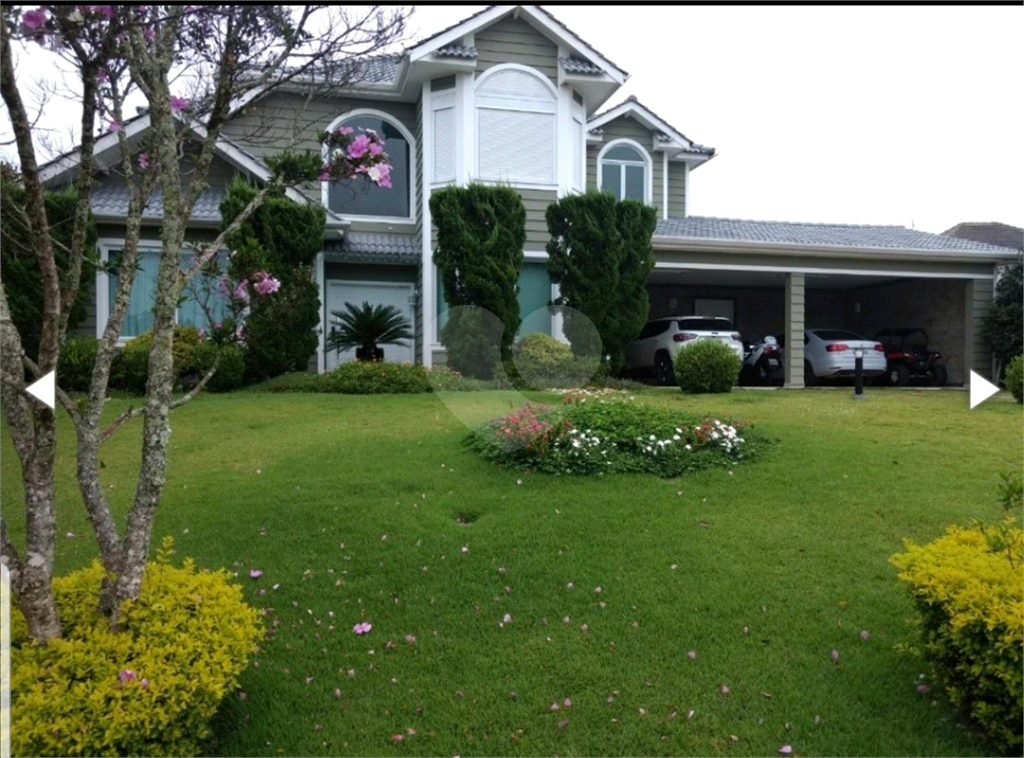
x: 370, y: 355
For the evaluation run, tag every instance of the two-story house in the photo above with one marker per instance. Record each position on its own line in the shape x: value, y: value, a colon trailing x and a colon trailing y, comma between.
x: 510, y: 95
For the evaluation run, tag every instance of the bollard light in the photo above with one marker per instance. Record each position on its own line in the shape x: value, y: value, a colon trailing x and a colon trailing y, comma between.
x: 858, y: 375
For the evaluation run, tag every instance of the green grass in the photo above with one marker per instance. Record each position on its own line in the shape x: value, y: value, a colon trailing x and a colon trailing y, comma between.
x: 795, y: 547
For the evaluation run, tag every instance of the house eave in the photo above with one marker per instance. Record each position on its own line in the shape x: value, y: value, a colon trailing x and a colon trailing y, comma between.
x: 697, y: 244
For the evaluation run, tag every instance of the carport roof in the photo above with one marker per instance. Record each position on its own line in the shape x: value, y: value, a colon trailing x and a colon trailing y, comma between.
x: 837, y: 236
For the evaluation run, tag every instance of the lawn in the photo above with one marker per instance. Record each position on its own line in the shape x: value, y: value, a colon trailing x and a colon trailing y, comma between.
x: 370, y: 509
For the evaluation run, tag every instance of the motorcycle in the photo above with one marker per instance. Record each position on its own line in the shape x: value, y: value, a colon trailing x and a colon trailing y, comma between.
x: 763, y: 363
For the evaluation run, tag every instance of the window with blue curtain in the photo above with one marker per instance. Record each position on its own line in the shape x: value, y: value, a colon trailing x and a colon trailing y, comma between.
x: 203, y: 289
x: 139, y: 317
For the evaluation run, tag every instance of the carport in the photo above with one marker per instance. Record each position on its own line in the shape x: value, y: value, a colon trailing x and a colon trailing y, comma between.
x: 780, y: 278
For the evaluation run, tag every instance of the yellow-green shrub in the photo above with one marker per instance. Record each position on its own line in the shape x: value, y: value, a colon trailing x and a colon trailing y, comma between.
x: 186, y: 640
x: 968, y: 588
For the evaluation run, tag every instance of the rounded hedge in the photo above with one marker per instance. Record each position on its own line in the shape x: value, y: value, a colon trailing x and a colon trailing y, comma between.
x: 230, y: 374
x: 1014, y: 378
x: 130, y: 370
x: 76, y: 362
x: 707, y: 366
x: 148, y: 690
x: 541, y: 348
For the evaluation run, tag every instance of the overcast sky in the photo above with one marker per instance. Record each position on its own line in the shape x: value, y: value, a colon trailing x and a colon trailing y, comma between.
x: 859, y: 115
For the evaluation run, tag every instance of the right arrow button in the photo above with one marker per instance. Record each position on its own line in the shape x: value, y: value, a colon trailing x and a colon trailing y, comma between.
x: 981, y: 389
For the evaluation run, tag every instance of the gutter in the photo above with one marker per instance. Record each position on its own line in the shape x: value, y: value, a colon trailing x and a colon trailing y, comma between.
x: 692, y: 244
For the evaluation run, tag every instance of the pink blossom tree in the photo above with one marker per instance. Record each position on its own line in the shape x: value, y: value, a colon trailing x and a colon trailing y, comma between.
x: 195, y: 66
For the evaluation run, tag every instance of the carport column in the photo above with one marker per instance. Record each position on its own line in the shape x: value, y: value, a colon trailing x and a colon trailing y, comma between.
x: 793, y: 351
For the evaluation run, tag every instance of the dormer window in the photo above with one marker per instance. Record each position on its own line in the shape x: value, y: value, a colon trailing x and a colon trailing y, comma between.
x: 624, y: 172
x: 516, y: 127
x: 361, y: 197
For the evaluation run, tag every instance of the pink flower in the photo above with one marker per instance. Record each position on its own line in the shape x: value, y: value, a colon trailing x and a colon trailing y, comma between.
x: 255, y: 574
x: 149, y: 34
x: 33, y: 20
x: 692, y: 655
x: 325, y: 175
x: 358, y: 147
x: 554, y: 706
x: 241, y: 291
x: 344, y: 130
x: 785, y: 750
x: 178, y: 104
x: 567, y: 703
x: 380, y: 175
x: 126, y: 675
x: 835, y: 654
x: 410, y: 639
x: 864, y: 634
x: 143, y: 160
x: 114, y: 126
x: 102, y: 75
x: 144, y: 684
x: 362, y: 628
x: 268, y: 285
x: 507, y: 618
x: 375, y: 148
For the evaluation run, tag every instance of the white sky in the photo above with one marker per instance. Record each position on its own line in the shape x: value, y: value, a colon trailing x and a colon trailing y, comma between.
x: 860, y: 115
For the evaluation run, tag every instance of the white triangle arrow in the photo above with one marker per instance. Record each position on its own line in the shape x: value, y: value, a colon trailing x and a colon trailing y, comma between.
x: 43, y: 389
x: 981, y: 389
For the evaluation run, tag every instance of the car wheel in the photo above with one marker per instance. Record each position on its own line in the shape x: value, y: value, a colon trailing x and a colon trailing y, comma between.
x: 664, y: 373
x: 899, y: 375
x: 939, y: 376
x: 809, y: 378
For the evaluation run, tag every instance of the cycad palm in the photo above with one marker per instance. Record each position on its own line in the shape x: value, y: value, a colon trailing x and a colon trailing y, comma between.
x: 367, y: 326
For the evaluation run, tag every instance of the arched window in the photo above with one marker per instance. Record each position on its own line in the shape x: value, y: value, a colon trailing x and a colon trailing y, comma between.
x: 624, y: 172
x: 361, y: 197
x: 515, y: 116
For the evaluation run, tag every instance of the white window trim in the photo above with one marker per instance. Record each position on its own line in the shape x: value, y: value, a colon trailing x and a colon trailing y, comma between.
x: 324, y: 186
x: 487, y: 102
x: 648, y: 165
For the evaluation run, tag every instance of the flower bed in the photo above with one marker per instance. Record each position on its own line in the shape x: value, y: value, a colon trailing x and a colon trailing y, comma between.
x: 589, y: 434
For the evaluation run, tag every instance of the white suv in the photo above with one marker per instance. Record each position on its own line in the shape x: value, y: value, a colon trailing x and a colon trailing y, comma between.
x: 655, y: 349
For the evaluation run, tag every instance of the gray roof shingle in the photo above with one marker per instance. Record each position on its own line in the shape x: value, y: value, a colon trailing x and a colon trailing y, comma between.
x: 575, y: 65
x: 111, y: 200
x: 816, y: 235
x: 456, y: 51
x: 991, y: 232
x: 365, y: 247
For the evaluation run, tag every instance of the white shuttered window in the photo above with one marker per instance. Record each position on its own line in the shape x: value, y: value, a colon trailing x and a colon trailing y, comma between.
x: 515, y: 129
x: 444, y: 144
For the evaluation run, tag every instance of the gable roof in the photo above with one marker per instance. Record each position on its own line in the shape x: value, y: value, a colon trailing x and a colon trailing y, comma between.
x: 674, y: 141
x: 823, y: 237
x: 538, y: 18
x: 991, y: 232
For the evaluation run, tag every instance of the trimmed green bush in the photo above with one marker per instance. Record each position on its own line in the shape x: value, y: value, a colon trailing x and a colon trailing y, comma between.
x: 968, y: 591
x: 371, y: 378
x: 148, y: 690
x: 130, y: 369
x: 481, y: 231
x: 541, y: 348
x: 1014, y: 378
x: 76, y: 362
x: 707, y: 366
x: 589, y: 434
x: 230, y: 374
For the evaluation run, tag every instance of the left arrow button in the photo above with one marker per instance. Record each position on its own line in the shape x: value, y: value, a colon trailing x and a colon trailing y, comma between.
x: 43, y: 389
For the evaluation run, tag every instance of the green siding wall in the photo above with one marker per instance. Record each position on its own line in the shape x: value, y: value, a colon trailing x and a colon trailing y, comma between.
x: 536, y: 203
x: 676, y: 189
x: 515, y: 41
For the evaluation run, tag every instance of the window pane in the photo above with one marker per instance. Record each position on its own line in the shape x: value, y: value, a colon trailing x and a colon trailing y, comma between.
x: 611, y: 179
x: 361, y: 197
x: 534, y: 293
x: 203, y: 289
x: 623, y: 153
x: 634, y: 183
x: 139, y: 317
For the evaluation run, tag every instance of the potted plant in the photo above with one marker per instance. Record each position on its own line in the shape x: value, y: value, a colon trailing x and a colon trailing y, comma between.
x: 365, y: 327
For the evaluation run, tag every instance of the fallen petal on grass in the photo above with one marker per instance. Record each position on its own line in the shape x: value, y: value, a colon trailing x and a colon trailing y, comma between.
x: 786, y: 750
x: 692, y: 655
